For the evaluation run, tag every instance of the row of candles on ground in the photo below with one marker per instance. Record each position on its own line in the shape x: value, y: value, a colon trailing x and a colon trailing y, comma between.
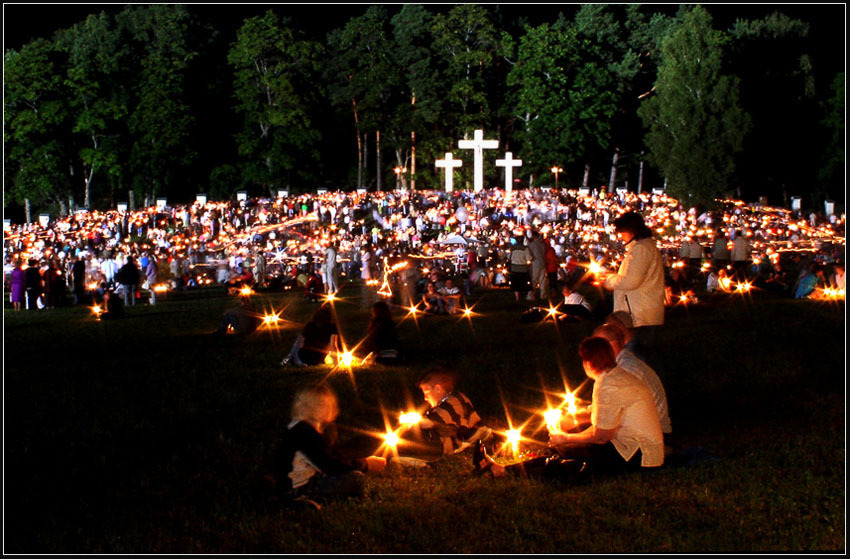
x: 553, y: 419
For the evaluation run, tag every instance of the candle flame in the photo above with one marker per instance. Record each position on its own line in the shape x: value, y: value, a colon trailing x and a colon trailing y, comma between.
x: 553, y: 420
x: 391, y: 439
x: 245, y: 291
x: 410, y: 418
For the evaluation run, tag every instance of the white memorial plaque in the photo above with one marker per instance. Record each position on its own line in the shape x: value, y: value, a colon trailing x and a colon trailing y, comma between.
x: 829, y: 207
x: 478, y: 145
x: 201, y: 199
x: 122, y: 207
x: 44, y: 220
x: 161, y: 203
x: 796, y: 203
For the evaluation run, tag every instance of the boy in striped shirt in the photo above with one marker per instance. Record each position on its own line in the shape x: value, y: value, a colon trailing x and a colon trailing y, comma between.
x: 451, y: 420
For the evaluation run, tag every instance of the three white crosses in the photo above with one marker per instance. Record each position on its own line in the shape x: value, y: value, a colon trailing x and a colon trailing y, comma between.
x: 478, y: 144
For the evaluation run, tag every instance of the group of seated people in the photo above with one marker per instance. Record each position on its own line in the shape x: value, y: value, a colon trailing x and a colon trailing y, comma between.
x: 623, y: 429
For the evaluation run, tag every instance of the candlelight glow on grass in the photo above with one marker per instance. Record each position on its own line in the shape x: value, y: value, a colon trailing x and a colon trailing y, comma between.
x: 271, y: 319
x: 160, y: 288
x: 246, y: 291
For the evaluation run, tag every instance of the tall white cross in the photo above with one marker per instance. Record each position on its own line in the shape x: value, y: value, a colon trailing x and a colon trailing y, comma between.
x: 478, y: 144
x: 509, y: 163
x: 449, y: 164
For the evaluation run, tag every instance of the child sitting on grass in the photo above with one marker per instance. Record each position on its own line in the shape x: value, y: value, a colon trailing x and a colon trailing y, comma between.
x: 306, y: 466
x: 451, y: 420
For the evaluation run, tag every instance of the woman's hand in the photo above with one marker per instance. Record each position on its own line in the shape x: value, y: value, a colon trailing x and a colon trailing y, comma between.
x: 558, y: 439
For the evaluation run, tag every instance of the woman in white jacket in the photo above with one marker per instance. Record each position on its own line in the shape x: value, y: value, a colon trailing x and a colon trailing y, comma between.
x: 638, y: 285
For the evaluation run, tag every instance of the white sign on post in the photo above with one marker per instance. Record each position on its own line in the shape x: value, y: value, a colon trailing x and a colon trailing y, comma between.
x: 361, y: 191
x: 161, y: 203
x: 478, y: 144
x: 449, y: 164
x: 82, y: 210
x: 621, y: 192
x: 584, y: 191
x: 321, y: 191
x: 44, y: 220
x: 201, y: 199
x: 658, y: 191
x: 796, y: 203
x: 241, y: 196
x: 122, y: 206
x: 829, y: 207
x: 282, y: 193
x: 509, y: 163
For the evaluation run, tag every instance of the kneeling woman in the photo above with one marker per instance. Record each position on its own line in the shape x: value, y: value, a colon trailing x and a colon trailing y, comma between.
x: 624, y: 432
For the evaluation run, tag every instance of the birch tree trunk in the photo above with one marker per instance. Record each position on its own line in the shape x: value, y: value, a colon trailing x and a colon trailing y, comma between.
x: 586, y: 175
x: 378, y: 173
x: 640, y: 175
x: 132, y: 200
x: 412, y: 161
x: 28, y: 210
x: 72, y: 204
x: 613, y: 178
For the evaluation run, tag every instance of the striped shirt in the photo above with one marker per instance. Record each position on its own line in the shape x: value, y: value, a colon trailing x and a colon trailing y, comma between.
x: 454, y: 417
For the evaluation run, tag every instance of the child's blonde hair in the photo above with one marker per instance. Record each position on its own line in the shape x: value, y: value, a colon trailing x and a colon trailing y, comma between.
x: 315, y: 403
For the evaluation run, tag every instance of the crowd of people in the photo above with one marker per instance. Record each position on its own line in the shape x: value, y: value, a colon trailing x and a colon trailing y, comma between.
x: 528, y: 241
x: 435, y: 248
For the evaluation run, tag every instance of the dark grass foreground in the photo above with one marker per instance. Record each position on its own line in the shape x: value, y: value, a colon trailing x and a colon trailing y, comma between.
x: 149, y: 435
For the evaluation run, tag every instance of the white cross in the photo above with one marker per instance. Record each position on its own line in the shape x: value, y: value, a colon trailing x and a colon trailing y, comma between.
x: 478, y: 144
x: 449, y: 164
x: 509, y: 163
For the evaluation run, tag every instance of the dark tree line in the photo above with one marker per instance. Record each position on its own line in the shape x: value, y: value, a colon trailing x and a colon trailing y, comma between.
x: 161, y: 101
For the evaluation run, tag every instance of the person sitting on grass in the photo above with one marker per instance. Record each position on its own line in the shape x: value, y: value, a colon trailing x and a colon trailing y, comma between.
x: 809, y: 282
x: 113, y: 305
x: 241, y: 319
x: 624, y: 432
x: 451, y: 296
x: 306, y: 466
x: 432, y: 300
x: 634, y: 365
x: 319, y: 337
x: 313, y: 287
x: 574, y: 304
x: 381, y: 342
x: 450, y: 421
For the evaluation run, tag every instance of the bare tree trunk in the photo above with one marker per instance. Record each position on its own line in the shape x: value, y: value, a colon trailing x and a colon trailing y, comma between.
x: 359, y: 161
x: 640, y: 175
x: 28, y: 210
x: 586, y: 178
x: 412, y: 160
x: 365, y: 158
x: 132, y: 200
x: 378, y: 173
x: 72, y: 205
x: 63, y: 210
x: 613, y: 179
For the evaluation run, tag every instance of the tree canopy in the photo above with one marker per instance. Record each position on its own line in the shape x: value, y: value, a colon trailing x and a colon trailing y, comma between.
x: 173, y: 100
